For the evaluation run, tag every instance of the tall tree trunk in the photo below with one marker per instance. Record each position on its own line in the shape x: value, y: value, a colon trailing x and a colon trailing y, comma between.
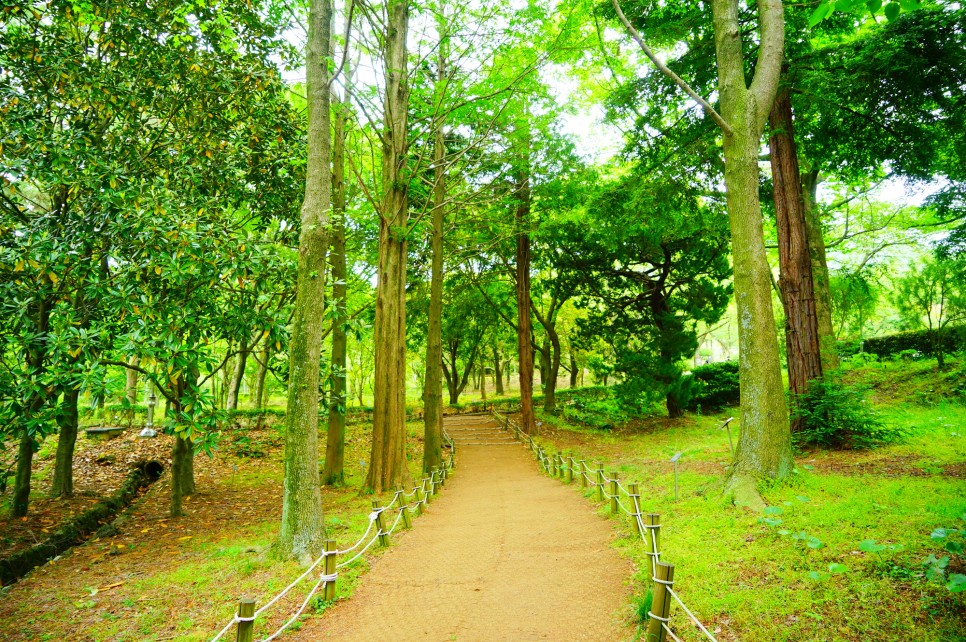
x: 764, y: 448
x: 302, y: 531
x: 574, y: 371
x: 63, y: 484
x: 36, y: 355
x: 334, y: 472
x: 524, y: 326
x: 387, y: 462
x: 260, y: 377
x: 237, y: 376
x: 433, y: 387
x: 182, y: 452
x: 483, y: 379
x: 821, y: 288
x: 131, y: 381
x: 497, y: 372
x: 795, y: 261
x: 21, y: 480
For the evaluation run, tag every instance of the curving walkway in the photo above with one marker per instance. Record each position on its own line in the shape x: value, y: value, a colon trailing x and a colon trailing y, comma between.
x: 503, y: 553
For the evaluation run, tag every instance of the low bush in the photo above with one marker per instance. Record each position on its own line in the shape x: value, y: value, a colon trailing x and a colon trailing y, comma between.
x: 923, y: 341
x: 836, y: 415
x: 715, y: 386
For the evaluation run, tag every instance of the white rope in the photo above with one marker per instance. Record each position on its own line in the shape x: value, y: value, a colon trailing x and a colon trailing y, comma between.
x: 297, y: 613
x: 372, y: 520
x: 292, y: 585
x: 395, y: 523
x: 621, y: 504
x: 221, y: 634
x: 670, y: 632
x: 359, y: 554
x: 696, y: 621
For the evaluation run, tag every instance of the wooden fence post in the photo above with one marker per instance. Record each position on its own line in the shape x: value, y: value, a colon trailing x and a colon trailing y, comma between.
x: 427, y: 492
x: 329, y: 592
x: 653, y: 522
x: 419, y: 499
x: 380, y: 524
x: 246, y: 620
x: 613, y: 492
x: 636, y: 508
x: 435, y: 477
x: 661, y: 604
x: 570, y: 470
x: 583, y: 474
x: 404, y: 509
x: 600, y: 482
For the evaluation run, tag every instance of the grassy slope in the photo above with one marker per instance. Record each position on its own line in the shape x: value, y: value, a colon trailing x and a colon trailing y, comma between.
x: 750, y: 580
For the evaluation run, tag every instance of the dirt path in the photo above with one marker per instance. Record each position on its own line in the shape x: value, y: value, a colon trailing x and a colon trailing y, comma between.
x: 504, y: 553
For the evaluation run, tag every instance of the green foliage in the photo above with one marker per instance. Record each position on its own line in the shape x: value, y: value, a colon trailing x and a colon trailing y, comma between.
x: 922, y: 341
x: 836, y: 415
x: 715, y: 386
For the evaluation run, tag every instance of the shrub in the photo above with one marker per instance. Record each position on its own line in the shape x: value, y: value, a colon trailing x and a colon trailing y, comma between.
x: 835, y: 415
x: 954, y: 338
x: 715, y: 386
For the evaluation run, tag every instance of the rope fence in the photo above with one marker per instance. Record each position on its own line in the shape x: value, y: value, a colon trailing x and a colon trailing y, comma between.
x: 421, y: 494
x: 646, y: 525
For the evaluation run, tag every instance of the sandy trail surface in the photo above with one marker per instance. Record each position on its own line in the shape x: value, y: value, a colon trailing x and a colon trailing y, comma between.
x: 503, y: 553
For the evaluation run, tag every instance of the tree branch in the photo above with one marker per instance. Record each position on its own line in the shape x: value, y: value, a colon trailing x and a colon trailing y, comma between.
x: 664, y: 69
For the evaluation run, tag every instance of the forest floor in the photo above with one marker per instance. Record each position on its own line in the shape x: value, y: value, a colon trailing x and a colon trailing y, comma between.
x: 799, y: 573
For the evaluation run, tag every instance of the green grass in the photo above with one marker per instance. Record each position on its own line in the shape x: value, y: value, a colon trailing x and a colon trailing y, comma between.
x: 762, y: 581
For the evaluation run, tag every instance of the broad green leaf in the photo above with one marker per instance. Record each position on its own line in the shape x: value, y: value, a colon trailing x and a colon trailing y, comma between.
x: 892, y: 11
x: 873, y: 6
x: 837, y: 568
x: 773, y: 510
x: 956, y: 583
x: 870, y: 546
x: 821, y: 13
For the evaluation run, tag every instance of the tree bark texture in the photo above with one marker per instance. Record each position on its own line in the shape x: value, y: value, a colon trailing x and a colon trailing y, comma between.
x: 387, y: 462
x: 524, y: 326
x: 433, y: 390
x: 302, y: 531
x: 550, y: 356
x: 63, y: 484
x: 334, y: 472
x: 131, y: 381
x: 574, y: 370
x: 497, y: 372
x: 764, y: 448
x: 237, y: 376
x: 36, y: 356
x: 821, y: 287
x: 266, y: 354
x: 795, y: 262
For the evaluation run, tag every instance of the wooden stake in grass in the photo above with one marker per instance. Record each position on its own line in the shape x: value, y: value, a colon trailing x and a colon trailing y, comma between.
x: 600, y: 482
x: 246, y: 619
x: 661, y: 605
x: 380, y: 524
x: 329, y: 592
x: 613, y: 492
x: 653, y: 524
x: 583, y: 474
x: 570, y: 470
x: 635, y: 507
x: 419, y: 500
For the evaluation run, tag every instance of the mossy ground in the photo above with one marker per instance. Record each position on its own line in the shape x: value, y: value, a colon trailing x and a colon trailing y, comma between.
x: 749, y: 579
